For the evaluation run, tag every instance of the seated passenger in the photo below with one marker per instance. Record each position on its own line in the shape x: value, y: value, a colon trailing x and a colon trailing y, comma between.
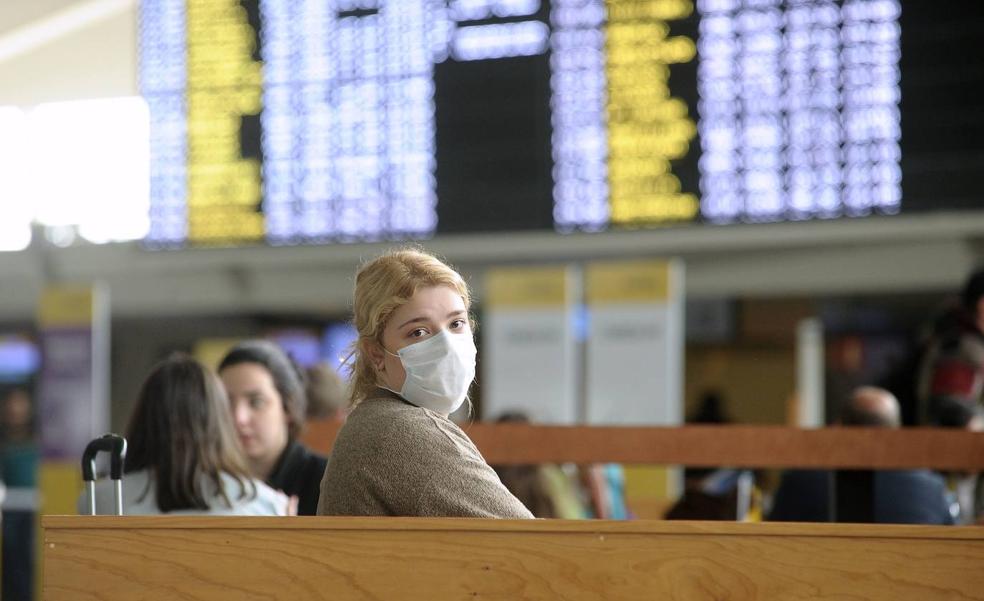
x: 548, y: 490
x: 899, y: 496
x: 327, y: 394
x: 182, y: 455
x: 968, y: 487
x: 715, y: 493
x: 414, y: 360
x: 268, y: 404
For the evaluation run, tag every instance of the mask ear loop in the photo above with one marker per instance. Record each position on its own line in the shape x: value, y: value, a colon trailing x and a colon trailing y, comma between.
x: 385, y: 350
x: 378, y: 369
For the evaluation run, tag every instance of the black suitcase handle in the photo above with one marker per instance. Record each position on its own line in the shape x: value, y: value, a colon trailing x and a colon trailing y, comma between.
x: 115, y: 445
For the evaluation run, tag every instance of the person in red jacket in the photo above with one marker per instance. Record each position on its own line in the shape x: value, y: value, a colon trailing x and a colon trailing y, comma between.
x: 952, y: 368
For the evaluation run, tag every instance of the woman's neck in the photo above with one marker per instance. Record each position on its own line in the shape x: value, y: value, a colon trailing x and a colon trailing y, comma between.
x: 262, y: 467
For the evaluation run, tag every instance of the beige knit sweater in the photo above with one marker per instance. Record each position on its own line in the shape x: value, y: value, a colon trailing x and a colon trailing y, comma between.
x: 394, y: 458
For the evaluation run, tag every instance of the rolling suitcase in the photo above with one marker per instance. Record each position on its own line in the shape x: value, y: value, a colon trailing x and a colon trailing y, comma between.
x: 116, y: 446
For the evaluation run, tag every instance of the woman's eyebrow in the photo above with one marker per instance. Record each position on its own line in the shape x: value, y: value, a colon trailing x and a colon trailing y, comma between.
x: 421, y: 318
x: 410, y: 321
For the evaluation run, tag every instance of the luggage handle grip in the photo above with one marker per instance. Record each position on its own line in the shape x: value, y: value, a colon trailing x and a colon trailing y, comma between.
x: 115, y: 445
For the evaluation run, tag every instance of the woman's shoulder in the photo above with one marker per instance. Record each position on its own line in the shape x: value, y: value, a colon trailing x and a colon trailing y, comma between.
x: 139, y: 495
x: 393, y: 427
x: 264, y: 501
x: 383, y: 414
x: 396, y: 416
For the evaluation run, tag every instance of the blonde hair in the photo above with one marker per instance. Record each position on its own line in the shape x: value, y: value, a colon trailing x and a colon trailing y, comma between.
x: 381, y: 286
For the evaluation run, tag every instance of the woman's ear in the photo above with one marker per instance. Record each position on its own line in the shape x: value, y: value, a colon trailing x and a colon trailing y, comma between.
x: 374, y: 352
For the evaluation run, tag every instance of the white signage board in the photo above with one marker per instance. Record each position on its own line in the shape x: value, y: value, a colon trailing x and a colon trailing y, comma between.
x: 635, y: 347
x: 529, y: 358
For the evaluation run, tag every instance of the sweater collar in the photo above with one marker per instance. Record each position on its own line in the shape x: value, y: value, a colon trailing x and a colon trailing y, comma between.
x: 287, y: 464
x: 385, y: 393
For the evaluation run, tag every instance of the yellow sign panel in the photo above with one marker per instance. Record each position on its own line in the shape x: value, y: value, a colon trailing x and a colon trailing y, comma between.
x: 647, y: 128
x: 528, y: 287
x: 224, y: 86
x: 650, y: 490
x: 68, y: 306
x: 627, y: 282
x: 60, y: 484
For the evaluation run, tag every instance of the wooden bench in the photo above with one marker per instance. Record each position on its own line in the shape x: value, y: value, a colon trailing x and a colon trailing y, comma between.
x: 713, y: 446
x: 408, y: 559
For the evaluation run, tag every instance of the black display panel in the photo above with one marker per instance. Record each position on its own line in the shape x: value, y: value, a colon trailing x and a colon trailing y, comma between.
x: 311, y: 122
x: 942, y: 107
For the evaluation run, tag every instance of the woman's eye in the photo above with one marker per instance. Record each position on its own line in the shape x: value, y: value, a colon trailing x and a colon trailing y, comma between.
x: 458, y: 324
x: 418, y: 333
x: 255, y: 402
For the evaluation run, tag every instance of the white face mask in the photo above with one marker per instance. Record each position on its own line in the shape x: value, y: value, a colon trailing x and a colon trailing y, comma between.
x: 439, y: 371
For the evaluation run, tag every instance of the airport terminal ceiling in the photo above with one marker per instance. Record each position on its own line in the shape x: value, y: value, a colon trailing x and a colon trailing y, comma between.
x: 920, y: 249
x: 293, y: 123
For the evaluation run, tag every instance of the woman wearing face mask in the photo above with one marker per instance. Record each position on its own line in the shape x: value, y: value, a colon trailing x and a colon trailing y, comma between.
x: 266, y: 394
x: 398, y: 453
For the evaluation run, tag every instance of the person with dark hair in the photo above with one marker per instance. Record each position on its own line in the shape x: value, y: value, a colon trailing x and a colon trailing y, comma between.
x: 710, y: 409
x: 953, y: 413
x: 952, y: 366
x: 713, y: 493
x: 268, y: 404
x: 19, y: 455
x: 182, y: 453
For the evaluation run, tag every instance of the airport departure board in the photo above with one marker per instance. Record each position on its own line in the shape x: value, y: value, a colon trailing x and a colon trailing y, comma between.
x: 317, y: 121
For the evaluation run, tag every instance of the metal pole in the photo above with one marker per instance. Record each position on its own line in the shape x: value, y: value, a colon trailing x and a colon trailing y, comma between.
x: 119, y: 496
x: 91, y: 487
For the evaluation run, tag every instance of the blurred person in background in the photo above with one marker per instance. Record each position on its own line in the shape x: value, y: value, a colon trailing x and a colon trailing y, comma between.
x: 327, y: 393
x: 398, y: 452
x: 17, y: 424
x: 871, y: 406
x: 968, y: 487
x: 18, y: 472
x: 952, y: 365
x: 18, y: 443
x: 710, y: 410
x: 715, y: 493
x: 900, y: 496
x: 545, y: 489
x: 182, y: 453
x: 269, y: 407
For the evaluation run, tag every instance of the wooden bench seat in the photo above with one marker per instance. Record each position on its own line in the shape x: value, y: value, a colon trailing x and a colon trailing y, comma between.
x: 409, y: 559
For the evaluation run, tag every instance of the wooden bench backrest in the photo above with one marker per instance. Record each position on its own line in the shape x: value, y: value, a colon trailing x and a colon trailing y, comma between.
x: 713, y: 446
